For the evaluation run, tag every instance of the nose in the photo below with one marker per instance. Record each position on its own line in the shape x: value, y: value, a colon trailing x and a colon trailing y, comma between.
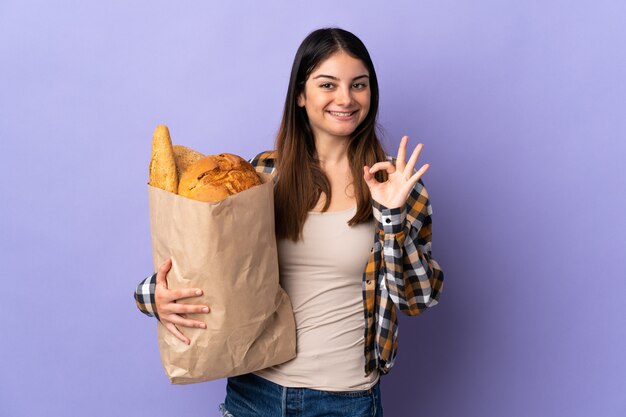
x: 343, y: 96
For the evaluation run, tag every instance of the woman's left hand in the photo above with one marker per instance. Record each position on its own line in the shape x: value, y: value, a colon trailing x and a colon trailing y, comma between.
x: 401, y: 180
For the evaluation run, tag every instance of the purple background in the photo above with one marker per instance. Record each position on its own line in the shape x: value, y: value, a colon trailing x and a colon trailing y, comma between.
x: 521, y: 106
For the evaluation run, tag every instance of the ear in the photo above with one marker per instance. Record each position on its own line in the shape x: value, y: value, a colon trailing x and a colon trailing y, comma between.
x: 301, y: 99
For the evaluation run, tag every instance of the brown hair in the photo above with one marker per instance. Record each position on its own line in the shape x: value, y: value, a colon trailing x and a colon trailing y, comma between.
x: 301, y: 180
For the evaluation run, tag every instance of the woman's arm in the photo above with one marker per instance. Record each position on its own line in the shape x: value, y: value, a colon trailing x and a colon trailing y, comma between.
x: 155, y: 299
x: 413, y: 278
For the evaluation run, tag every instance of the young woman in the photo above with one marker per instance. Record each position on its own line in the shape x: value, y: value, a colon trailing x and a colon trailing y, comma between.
x: 353, y: 228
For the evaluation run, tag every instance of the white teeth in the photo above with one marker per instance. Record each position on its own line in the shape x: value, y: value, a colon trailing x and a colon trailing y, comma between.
x: 334, y: 113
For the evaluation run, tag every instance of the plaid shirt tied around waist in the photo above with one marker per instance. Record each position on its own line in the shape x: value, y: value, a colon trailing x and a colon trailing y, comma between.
x: 400, y: 273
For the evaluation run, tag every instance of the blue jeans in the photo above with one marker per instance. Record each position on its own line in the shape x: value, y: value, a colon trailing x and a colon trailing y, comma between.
x: 252, y: 396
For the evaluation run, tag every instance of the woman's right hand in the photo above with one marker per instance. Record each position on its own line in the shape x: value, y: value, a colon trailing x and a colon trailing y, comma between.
x: 169, y: 310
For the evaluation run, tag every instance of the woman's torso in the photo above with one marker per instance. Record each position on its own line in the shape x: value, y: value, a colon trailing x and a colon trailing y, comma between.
x: 322, y: 274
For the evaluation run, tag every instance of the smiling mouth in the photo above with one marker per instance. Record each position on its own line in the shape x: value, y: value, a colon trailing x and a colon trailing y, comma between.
x: 341, y: 114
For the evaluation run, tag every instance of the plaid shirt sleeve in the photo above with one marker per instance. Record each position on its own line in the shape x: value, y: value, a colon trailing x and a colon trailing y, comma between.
x: 144, y: 296
x: 265, y: 163
x: 144, y: 293
x: 413, y: 279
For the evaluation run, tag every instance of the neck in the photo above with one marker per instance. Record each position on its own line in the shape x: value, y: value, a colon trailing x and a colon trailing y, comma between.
x: 331, y: 150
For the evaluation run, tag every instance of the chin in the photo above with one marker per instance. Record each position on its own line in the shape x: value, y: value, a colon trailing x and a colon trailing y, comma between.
x: 345, y: 131
x: 343, y: 134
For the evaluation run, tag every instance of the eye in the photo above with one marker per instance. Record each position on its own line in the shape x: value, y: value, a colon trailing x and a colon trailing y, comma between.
x: 359, y: 86
x: 326, y: 85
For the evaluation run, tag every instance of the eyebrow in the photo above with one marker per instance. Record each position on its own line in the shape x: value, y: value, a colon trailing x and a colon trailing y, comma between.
x: 337, y: 79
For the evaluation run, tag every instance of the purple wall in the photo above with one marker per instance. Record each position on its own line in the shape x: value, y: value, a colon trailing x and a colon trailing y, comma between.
x: 521, y: 108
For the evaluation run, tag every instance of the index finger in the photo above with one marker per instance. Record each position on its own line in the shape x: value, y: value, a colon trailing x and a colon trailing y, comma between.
x: 185, y: 293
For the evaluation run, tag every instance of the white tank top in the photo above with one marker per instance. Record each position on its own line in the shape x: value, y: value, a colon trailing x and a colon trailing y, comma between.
x: 323, y: 274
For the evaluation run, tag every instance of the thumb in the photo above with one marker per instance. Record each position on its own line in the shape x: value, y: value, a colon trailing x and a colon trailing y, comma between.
x: 162, y: 272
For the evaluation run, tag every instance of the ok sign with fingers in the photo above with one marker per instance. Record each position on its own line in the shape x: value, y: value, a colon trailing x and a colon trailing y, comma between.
x: 393, y: 193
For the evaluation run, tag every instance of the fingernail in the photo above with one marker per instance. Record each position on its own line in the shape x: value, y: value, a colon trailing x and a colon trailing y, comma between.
x: 198, y: 292
x: 205, y: 309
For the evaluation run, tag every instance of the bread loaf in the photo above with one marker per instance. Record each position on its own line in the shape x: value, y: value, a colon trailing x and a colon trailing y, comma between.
x: 184, y: 157
x: 215, y: 177
x: 162, y: 164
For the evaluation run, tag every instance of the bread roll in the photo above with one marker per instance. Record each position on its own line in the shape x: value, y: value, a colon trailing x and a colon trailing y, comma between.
x: 163, y: 165
x: 184, y: 157
x: 215, y: 177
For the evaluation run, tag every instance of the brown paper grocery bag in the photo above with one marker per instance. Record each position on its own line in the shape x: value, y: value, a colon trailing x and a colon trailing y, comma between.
x: 228, y: 249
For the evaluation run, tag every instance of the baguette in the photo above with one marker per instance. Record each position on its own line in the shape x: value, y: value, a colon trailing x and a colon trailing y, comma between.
x: 162, y: 169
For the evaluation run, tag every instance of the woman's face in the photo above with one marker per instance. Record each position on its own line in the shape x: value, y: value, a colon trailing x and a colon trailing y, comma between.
x: 336, y: 96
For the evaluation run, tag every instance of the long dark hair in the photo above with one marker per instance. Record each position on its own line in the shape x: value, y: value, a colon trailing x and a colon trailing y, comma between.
x: 301, y: 180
